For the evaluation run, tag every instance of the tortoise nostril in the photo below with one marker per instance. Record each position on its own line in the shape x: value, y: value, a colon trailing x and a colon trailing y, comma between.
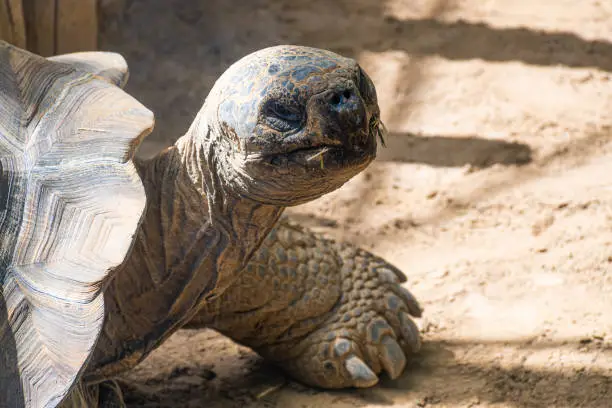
x: 340, y: 97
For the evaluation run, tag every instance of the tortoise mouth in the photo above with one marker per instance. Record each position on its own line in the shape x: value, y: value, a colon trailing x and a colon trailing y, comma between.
x: 303, y: 172
x: 326, y: 156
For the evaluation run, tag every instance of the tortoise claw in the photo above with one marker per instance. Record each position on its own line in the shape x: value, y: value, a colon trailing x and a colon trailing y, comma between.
x: 392, y: 357
x: 414, y: 308
x: 390, y: 274
x: 410, y: 332
x: 361, y: 374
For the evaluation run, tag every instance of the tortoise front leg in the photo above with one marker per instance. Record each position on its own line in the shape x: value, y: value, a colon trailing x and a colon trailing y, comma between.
x: 329, y: 314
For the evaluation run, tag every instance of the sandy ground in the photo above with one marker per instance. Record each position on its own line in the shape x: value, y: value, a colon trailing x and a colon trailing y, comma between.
x: 494, y: 195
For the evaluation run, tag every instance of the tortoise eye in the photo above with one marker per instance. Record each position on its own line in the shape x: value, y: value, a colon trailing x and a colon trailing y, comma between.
x: 281, y: 117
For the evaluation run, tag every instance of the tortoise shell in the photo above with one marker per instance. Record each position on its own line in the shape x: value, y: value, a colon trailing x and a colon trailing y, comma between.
x: 70, y: 203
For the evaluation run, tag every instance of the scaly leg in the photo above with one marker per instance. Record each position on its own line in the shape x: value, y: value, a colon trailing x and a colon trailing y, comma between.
x: 329, y: 314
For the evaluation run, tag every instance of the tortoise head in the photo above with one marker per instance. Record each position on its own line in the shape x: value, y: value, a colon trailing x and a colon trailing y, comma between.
x: 288, y: 124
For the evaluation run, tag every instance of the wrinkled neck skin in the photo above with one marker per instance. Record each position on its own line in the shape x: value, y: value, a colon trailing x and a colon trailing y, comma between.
x: 196, y: 236
x: 200, y: 218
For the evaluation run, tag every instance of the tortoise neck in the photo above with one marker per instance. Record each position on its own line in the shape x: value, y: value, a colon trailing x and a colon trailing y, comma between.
x: 187, y: 250
x: 204, y: 226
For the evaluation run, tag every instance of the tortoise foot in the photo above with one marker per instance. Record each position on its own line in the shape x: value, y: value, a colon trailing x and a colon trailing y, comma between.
x: 370, y: 330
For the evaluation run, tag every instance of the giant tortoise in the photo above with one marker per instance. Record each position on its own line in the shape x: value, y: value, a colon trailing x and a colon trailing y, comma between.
x: 104, y: 256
